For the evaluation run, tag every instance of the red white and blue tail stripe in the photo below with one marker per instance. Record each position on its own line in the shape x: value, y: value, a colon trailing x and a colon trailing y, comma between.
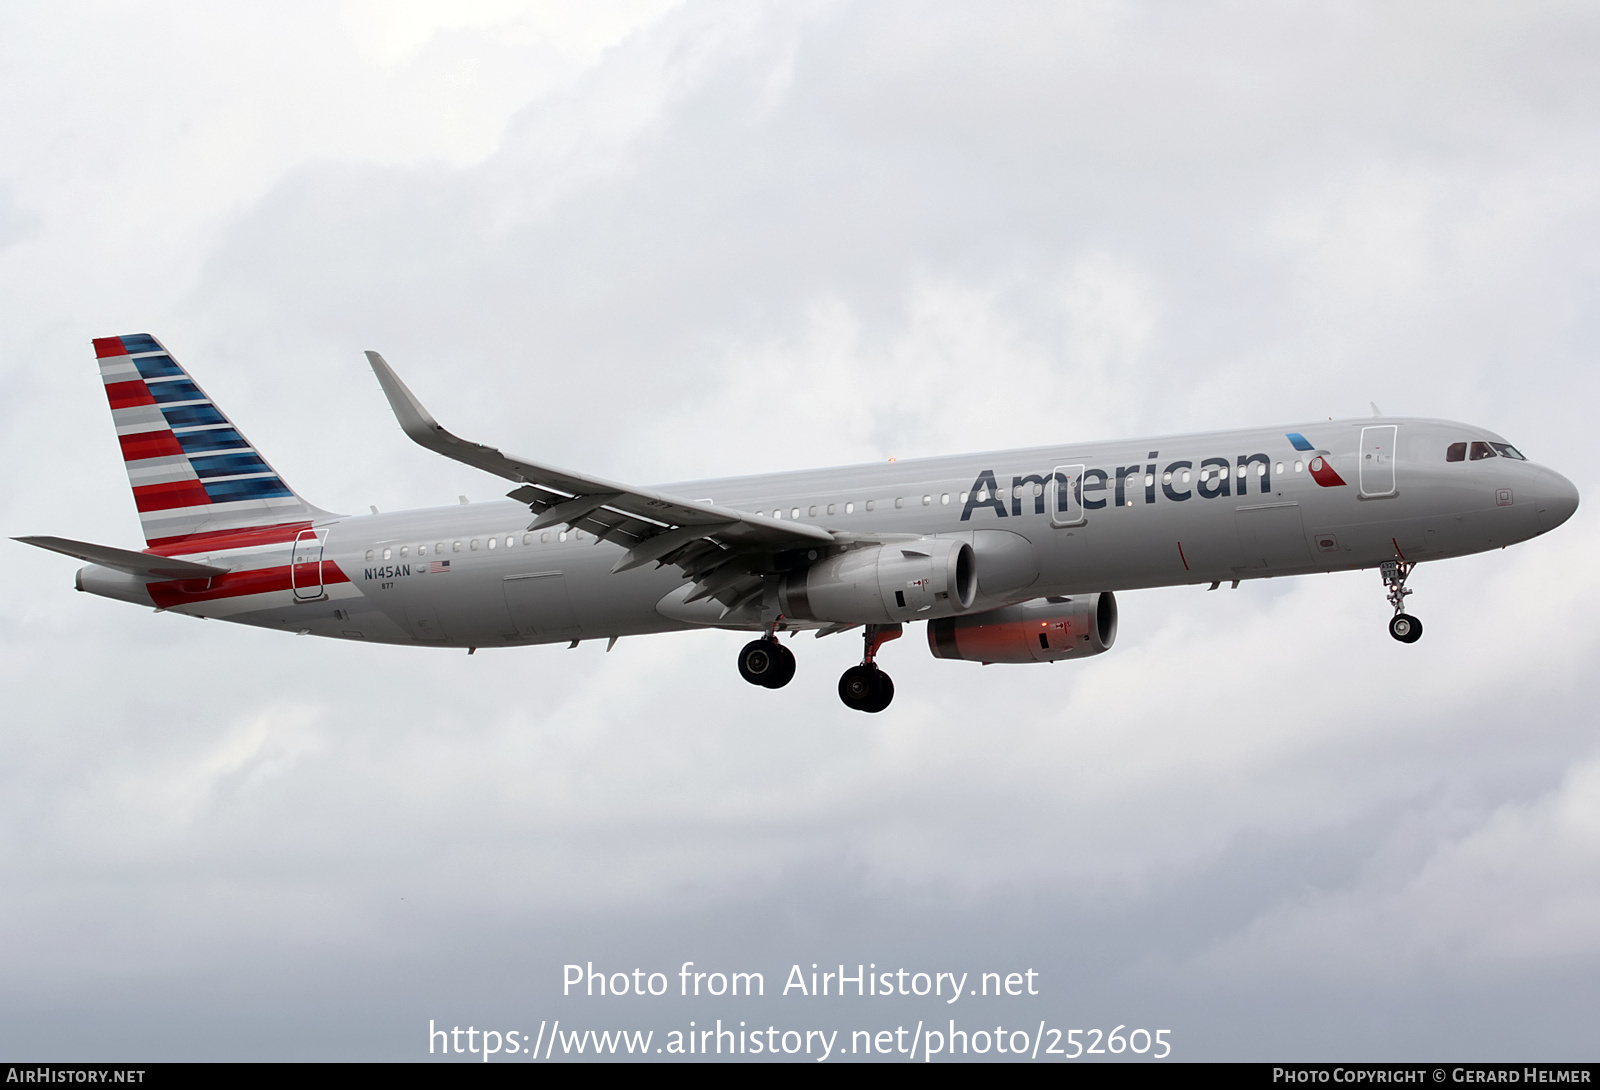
x: 196, y: 479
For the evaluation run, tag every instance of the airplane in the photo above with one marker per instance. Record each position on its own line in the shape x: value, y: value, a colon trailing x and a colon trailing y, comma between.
x: 1013, y: 556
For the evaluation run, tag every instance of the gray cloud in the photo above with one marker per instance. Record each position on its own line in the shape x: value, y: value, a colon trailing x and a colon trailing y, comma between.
x: 719, y: 239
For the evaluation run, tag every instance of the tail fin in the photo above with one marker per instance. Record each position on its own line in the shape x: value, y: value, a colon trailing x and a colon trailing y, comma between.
x: 195, y: 478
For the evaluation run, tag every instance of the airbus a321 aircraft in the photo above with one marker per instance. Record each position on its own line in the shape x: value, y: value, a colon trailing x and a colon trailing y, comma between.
x: 1011, y: 557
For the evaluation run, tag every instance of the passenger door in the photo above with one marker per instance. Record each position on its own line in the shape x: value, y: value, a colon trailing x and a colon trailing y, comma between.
x: 1064, y: 496
x: 305, y: 570
x: 1376, y: 467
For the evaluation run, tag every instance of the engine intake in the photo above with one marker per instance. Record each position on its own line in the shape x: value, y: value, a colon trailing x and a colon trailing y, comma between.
x: 1041, y: 630
x: 880, y: 584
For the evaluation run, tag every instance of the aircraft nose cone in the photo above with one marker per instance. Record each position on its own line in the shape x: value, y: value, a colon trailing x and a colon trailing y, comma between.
x: 1555, y: 499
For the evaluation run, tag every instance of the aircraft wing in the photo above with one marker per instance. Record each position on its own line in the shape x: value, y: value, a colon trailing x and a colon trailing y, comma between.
x: 725, y: 552
x: 143, y: 565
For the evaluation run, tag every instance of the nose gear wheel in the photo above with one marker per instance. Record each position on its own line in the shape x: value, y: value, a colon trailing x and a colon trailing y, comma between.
x: 1405, y: 628
x: 1402, y: 626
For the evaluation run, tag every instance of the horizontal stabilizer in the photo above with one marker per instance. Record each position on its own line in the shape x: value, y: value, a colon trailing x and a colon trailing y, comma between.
x: 143, y: 565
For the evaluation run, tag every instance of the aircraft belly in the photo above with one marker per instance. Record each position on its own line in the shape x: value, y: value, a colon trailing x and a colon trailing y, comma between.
x: 515, y: 596
x: 540, y: 606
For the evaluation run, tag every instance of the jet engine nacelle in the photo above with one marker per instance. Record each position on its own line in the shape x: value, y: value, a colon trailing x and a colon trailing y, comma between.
x: 880, y: 584
x: 1041, y: 630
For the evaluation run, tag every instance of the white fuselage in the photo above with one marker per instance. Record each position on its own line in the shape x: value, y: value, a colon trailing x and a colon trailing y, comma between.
x: 1139, y: 513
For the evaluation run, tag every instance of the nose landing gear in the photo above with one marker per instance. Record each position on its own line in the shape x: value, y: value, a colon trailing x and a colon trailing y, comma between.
x: 766, y: 662
x: 1402, y: 626
x: 865, y: 688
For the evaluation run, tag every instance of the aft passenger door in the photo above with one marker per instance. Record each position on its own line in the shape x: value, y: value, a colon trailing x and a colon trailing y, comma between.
x: 305, y: 570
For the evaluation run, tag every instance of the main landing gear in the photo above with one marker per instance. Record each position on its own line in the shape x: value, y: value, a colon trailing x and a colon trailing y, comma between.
x: 865, y: 688
x: 1402, y: 626
x: 766, y: 662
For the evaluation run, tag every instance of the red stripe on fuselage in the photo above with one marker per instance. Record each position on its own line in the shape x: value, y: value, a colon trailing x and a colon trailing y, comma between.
x: 235, y: 584
x: 1324, y: 474
x: 149, y: 444
x: 164, y: 497
x: 122, y: 395
x: 217, y: 540
x: 108, y: 346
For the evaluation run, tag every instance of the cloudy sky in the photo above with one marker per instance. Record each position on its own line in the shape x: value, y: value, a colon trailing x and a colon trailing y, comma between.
x: 659, y: 240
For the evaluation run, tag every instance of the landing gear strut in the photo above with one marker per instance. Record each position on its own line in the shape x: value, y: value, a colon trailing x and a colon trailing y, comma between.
x: 865, y: 688
x: 1402, y: 626
x: 766, y: 662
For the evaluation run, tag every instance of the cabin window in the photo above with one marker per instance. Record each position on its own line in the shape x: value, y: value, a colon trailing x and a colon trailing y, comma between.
x: 527, y: 539
x: 578, y: 534
x: 455, y: 546
x: 474, y: 545
x: 562, y: 536
x: 405, y: 550
x: 1278, y: 469
x: 1297, y: 466
x: 812, y: 511
x: 370, y: 555
x: 963, y: 497
x: 422, y: 550
x: 1261, y: 470
x: 1481, y: 451
x: 849, y: 508
x: 1149, y: 479
x: 872, y: 505
x: 1166, y: 478
x: 1185, y: 476
x: 944, y: 498
x: 544, y: 538
x: 493, y: 541
x: 830, y: 508
x: 899, y: 502
x: 1455, y: 452
x: 926, y: 500
x: 795, y: 513
x: 386, y: 554
x: 510, y: 541
x: 1242, y: 471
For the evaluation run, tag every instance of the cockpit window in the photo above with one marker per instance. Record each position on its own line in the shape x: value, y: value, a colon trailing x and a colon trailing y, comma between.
x: 1457, y: 452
